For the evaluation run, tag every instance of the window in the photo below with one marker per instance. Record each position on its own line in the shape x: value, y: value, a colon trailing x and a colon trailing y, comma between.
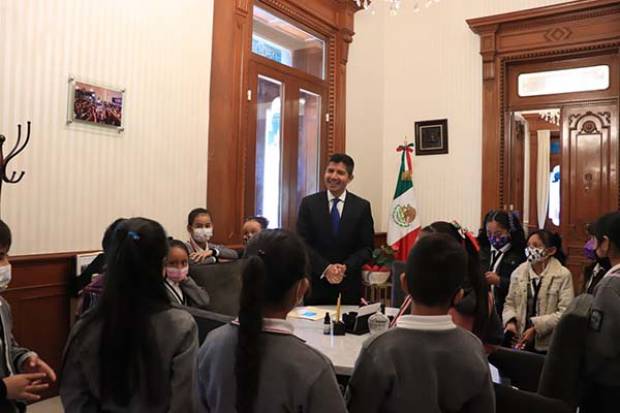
x: 285, y: 43
x: 268, y: 149
x: 271, y: 50
x: 287, y: 118
x: 582, y: 79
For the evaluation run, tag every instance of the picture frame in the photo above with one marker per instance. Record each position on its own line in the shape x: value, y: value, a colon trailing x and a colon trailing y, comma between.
x: 95, y: 104
x: 431, y: 137
x: 83, y: 260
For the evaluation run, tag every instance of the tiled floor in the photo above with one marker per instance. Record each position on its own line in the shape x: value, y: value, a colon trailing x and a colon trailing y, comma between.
x: 52, y: 405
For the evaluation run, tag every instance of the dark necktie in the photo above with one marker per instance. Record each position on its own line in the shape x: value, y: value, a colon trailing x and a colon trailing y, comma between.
x: 335, y: 216
x: 494, y: 257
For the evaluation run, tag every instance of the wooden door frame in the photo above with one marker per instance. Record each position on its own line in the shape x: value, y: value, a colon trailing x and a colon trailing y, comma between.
x: 554, y: 32
x: 228, y: 118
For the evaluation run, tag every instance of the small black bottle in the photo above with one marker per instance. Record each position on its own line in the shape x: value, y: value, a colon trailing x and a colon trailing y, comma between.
x: 327, y: 324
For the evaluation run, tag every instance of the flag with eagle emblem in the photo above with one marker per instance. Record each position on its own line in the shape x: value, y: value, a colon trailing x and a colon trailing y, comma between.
x: 404, y: 225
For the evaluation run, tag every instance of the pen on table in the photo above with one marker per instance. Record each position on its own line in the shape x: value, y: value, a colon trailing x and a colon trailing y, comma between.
x: 338, y: 308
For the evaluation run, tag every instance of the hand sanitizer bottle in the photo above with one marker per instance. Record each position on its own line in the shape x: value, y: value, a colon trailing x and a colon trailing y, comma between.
x: 327, y: 324
x: 378, y: 322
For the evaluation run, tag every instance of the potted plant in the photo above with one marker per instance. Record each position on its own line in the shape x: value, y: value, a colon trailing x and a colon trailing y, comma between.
x: 377, y: 270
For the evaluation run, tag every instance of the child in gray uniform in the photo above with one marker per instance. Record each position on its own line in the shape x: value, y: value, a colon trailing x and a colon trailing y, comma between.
x: 256, y: 364
x: 602, y: 361
x: 426, y: 364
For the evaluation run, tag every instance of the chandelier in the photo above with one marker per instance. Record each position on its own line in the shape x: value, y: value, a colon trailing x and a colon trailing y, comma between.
x: 395, y: 5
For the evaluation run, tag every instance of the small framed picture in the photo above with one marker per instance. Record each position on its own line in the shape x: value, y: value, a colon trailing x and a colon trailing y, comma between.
x: 431, y: 137
x: 83, y: 260
x: 95, y: 104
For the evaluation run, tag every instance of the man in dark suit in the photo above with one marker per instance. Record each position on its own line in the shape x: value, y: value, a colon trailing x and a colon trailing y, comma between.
x: 338, y: 229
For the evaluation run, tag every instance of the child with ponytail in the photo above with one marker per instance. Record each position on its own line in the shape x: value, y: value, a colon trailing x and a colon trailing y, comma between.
x: 273, y: 369
x: 475, y: 312
x: 502, y: 246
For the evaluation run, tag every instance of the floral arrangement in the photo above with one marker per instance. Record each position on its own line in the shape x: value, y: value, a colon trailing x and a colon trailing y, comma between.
x: 381, y: 259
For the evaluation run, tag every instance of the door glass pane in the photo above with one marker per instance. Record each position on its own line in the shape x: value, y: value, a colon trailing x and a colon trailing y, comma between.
x: 286, y: 43
x: 268, y: 149
x: 581, y: 79
x: 308, y: 158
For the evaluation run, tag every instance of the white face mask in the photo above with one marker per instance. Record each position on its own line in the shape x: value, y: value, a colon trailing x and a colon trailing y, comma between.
x: 535, y: 255
x: 5, y: 276
x: 203, y: 234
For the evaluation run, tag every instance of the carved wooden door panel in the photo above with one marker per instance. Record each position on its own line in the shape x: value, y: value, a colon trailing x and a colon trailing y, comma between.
x: 589, y: 173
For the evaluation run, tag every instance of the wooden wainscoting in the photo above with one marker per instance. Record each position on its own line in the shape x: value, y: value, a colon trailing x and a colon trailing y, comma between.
x: 380, y: 239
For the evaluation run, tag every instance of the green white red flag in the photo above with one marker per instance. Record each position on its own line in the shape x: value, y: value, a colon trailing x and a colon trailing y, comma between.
x: 404, y: 224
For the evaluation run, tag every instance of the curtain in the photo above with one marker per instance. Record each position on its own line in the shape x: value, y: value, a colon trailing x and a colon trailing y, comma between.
x: 542, y: 176
x: 526, y: 177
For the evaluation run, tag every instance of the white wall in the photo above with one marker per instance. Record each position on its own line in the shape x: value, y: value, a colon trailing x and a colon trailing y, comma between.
x: 365, y: 103
x: 429, y: 67
x: 79, y: 178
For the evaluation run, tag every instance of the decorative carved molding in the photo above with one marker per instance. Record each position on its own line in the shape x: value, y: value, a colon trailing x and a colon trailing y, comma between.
x: 502, y: 135
x: 331, y: 95
x: 243, y: 6
x: 557, y: 34
x: 588, y: 126
x: 301, y: 16
x: 547, y: 15
x: 566, y: 51
x: 587, y: 14
x: 347, y: 37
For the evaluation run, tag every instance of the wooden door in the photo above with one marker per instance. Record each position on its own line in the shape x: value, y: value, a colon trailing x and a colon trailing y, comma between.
x: 287, y: 145
x: 589, y: 173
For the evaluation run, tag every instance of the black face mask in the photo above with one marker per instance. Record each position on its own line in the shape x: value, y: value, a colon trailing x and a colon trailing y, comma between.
x: 604, y: 262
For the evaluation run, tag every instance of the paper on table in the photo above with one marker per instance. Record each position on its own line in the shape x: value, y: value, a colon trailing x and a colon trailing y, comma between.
x: 495, y: 377
x: 368, y: 309
x: 310, y: 313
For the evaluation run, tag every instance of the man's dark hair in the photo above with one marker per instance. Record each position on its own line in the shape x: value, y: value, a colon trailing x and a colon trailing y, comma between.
x: 5, y: 235
x: 345, y: 159
x: 436, y: 268
x: 194, y: 213
x: 262, y: 221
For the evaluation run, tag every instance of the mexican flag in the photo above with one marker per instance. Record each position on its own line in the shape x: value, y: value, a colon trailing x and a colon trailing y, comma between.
x: 404, y: 225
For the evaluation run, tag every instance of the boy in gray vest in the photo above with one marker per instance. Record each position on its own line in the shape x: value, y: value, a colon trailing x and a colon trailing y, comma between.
x: 427, y: 363
x: 23, y: 375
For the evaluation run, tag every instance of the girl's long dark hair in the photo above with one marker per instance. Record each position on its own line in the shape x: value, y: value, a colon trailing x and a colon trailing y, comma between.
x: 475, y: 279
x: 510, y: 221
x: 133, y: 292
x: 549, y: 240
x: 276, y: 260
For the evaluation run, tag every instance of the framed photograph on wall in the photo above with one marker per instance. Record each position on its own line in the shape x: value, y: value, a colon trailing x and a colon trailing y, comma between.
x: 431, y: 137
x: 96, y: 105
x: 83, y: 260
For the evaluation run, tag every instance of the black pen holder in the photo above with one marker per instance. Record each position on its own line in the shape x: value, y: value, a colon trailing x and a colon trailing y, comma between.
x: 338, y: 328
x: 355, y: 324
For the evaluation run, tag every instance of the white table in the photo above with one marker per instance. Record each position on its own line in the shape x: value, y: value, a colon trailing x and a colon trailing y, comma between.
x: 341, y: 350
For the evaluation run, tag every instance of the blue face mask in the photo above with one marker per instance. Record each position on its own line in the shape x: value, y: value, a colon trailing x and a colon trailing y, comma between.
x: 589, y: 250
x: 498, y: 242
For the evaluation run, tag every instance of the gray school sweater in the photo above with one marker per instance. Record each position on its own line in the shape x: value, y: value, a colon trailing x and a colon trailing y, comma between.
x: 293, y: 377
x: 602, y: 363
x: 176, y: 336
x: 437, y: 368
